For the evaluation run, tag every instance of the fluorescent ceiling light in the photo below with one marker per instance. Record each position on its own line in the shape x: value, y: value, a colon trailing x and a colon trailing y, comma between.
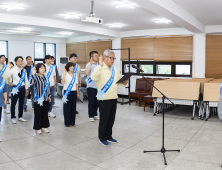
x: 162, y: 20
x: 24, y: 29
x: 66, y: 33
x: 115, y: 25
x: 66, y: 16
x: 126, y: 3
x: 20, y: 32
x: 12, y: 6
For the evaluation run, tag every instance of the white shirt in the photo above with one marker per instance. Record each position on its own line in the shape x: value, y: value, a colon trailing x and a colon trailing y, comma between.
x: 68, y: 79
x: 51, y: 79
x: 15, y: 77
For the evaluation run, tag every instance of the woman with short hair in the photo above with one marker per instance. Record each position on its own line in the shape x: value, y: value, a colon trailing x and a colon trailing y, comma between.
x: 42, y: 98
x: 71, y: 93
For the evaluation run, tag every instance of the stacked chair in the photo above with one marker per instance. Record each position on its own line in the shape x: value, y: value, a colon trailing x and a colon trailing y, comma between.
x: 142, y: 89
x: 143, y: 92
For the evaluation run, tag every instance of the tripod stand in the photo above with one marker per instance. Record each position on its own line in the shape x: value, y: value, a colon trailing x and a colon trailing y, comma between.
x: 162, y: 150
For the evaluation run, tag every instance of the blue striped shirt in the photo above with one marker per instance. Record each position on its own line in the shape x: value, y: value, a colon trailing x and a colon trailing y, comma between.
x: 39, y: 85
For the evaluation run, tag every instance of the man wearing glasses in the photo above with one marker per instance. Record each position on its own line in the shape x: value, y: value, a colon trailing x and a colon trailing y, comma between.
x: 106, y: 75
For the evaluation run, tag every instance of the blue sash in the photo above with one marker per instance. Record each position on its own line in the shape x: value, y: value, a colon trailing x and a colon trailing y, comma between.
x: 2, y: 85
x: 69, y: 88
x: 75, y: 69
x: 30, y: 74
x: 101, y: 93
x: 89, y: 80
x: 50, y: 71
x: 41, y: 99
x: 16, y: 89
x: 3, y: 70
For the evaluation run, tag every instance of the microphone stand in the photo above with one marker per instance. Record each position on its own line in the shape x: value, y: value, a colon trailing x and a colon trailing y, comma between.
x: 162, y: 150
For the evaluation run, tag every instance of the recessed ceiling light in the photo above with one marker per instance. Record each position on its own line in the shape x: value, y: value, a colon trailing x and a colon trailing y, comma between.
x: 162, y: 20
x: 24, y: 29
x: 12, y: 6
x: 115, y: 25
x: 20, y: 32
x: 66, y: 33
x: 66, y: 16
x: 126, y: 3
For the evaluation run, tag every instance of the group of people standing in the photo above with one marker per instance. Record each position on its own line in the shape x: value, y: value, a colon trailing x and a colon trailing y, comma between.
x: 41, y: 80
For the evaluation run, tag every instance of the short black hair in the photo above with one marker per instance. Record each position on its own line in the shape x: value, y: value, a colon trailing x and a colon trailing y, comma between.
x: 52, y: 57
x: 69, y: 64
x: 92, y: 52
x: 48, y: 57
x: 28, y: 57
x: 72, y: 55
x: 38, y: 66
x: 16, y: 58
x: 2, y: 56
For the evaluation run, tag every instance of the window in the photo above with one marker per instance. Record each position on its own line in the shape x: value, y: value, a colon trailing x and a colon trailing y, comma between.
x: 126, y: 68
x: 182, y: 69
x: 151, y: 68
x: 163, y: 69
x: 39, y: 50
x: 50, y: 49
x: 4, y: 48
x: 42, y: 49
x: 147, y: 68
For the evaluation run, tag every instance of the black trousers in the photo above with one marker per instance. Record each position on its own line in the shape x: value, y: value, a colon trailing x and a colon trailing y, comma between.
x: 41, y: 119
x: 69, y: 109
x: 92, y: 102
x: 107, y: 109
x: 0, y: 113
x: 14, y: 98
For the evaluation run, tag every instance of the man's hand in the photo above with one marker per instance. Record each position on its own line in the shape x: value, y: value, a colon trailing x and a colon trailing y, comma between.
x: 55, y: 87
x: 9, y: 85
x: 27, y: 92
x: 77, y: 95
x: 101, y: 63
x: 91, y: 61
x: 49, y: 100
x: 33, y: 71
x: 23, y: 64
x: 79, y: 84
x: 125, y: 82
x: 9, y: 65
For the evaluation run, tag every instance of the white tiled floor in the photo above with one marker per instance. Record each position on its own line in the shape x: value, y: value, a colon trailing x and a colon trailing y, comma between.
x: 77, y: 147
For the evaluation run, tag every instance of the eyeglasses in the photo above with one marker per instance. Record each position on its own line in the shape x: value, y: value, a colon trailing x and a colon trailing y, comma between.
x: 111, y: 58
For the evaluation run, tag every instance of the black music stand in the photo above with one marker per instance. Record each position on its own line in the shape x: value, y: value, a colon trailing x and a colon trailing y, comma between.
x: 122, y: 103
x: 162, y: 150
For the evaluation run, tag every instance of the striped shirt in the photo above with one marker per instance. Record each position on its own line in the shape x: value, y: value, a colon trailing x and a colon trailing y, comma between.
x: 39, y: 85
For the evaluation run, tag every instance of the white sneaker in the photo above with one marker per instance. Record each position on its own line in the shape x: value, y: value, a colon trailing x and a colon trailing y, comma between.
x: 96, y: 117
x: 7, y: 111
x: 14, y: 121
x: 39, y: 132
x: 22, y: 119
x: 91, y: 119
x: 45, y: 130
x: 55, y: 105
x: 52, y: 115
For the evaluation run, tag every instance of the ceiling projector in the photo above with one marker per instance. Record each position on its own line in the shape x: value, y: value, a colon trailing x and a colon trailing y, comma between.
x: 91, y: 18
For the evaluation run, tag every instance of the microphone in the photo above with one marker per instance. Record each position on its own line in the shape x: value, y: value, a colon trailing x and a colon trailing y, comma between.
x: 140, y: 70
